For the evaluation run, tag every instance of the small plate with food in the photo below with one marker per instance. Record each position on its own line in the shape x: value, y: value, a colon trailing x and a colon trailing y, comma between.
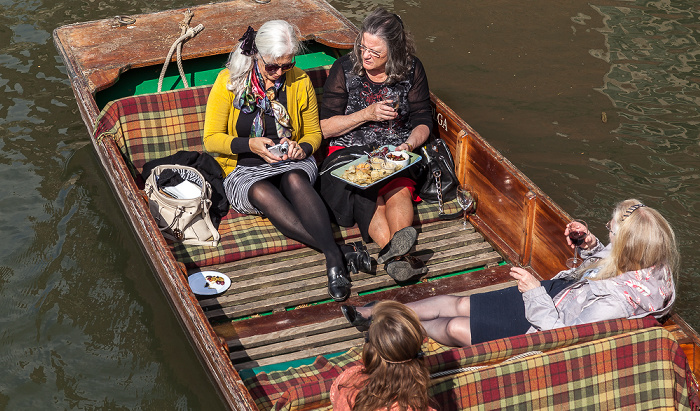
x: 400, y: 158
x: 209, y: 282
x: 371, y: 169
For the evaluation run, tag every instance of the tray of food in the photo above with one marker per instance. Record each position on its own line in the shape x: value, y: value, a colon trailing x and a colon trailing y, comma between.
x: 379, y: 165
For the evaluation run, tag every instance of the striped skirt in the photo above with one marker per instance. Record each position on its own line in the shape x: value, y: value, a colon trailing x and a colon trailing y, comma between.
x: 238, y: 182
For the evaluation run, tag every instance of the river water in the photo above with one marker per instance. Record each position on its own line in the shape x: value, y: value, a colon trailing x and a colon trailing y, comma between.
x: 595, y: 102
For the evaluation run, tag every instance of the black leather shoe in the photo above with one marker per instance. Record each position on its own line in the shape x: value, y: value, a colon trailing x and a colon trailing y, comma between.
x: 405, y: 268
x: 338, y: 284
x: 357, y: 257
x: 358, y: 321
x: 400, y: 244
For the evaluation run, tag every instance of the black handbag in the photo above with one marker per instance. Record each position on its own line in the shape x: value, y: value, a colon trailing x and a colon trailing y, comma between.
x: 436, y: 179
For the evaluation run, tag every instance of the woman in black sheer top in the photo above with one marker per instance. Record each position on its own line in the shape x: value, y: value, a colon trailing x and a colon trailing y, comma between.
x: 357, y: 115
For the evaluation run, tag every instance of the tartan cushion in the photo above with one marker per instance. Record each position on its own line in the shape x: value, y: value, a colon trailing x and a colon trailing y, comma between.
x: 627, y: 365
x: 153, y: 126
x: 643, y: 369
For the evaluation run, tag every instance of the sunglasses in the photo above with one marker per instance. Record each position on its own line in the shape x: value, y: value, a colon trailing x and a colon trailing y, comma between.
x: 372, y: 53
x: 272, y: 68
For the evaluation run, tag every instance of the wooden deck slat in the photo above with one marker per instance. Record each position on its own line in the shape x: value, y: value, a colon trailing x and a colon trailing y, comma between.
x: 312, y: 352
x: 287, y: 325
x: 427, y: 232
x: 287, y: 347
x: 279, y: 297
x: 329, y: 336
x: 287, y: 334
x: 285, y: 283
x: 298, y: 264
x: 275, y: 283
x: 315, y: 314
x: 301, y: 338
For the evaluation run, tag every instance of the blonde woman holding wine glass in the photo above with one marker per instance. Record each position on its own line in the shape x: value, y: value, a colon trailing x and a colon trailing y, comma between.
x: 631, y: 277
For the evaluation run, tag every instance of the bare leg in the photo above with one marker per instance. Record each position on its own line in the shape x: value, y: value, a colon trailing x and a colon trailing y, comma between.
x: 440, y: 306
x: 455, y: 332
x: 394, y: 212
x: 379, y: 227
x: 399, y: 209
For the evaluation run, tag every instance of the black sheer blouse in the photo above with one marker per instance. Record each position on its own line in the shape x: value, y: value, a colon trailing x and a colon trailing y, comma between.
x: 345, y: 92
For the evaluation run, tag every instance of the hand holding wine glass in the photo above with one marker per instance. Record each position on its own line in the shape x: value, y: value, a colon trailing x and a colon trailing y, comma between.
x: 466, y: 198
x: 577, y: 231
x: 394, y: 97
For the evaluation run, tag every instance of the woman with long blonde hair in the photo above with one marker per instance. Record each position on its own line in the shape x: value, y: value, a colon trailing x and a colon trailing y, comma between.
x: 394, y: 375
x: 632, y: 277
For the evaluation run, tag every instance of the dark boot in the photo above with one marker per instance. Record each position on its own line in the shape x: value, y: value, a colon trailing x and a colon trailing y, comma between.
x: 338, y: 284
x: 405, y: 268
x: 356, y: 319
x: 357, y: 257
x: 400, y: 244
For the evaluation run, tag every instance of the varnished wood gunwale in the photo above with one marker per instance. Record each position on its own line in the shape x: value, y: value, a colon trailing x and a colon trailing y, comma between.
x: 528, y: 231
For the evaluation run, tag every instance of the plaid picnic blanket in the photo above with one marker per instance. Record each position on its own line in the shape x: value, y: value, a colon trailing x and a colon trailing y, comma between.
x: 605, y: 365
x: 152, y: 126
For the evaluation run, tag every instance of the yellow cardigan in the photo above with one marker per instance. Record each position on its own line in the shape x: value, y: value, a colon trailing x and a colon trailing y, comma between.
x: 220, y: 118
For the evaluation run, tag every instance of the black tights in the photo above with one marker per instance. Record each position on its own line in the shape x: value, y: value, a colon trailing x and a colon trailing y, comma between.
x: 294, y: 207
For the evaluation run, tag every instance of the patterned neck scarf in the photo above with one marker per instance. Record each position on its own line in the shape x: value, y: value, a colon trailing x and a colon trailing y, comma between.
x: 254, y: 95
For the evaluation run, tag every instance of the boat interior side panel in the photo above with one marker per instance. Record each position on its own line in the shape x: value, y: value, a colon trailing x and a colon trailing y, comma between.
x: 549, y: 248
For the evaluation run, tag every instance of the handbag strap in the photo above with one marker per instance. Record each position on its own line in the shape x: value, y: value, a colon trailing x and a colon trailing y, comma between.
x: 437, y: 173
x: 438, y: 183
x: 215, y: 236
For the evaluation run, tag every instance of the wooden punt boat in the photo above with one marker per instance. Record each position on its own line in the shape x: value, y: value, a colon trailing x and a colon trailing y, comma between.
x: 515, y: 222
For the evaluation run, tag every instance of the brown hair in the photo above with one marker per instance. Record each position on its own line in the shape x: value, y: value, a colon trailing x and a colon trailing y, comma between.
x: 393, y: 361
x: 400, y: 46
x: 642, y: 239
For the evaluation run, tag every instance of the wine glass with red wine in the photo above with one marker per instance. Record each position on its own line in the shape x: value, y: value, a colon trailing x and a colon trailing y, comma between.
x: 578, y: 230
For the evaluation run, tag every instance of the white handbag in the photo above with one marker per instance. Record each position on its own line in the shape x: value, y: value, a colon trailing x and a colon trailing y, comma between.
x: 182, y: 212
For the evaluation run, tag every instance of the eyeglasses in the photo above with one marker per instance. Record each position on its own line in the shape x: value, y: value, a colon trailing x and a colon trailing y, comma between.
x: 272, y: 68
x: 609, y: 228
x: 372, y: 53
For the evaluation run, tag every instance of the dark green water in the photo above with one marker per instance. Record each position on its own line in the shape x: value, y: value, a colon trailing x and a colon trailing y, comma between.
x: 83, y: 324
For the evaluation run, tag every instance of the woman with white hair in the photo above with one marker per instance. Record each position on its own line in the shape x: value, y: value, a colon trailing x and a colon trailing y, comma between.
x: 632, y: 277
x: 261, y: 102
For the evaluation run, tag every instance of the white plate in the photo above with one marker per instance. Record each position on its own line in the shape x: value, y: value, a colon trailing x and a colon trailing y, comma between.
x: 198, y: 283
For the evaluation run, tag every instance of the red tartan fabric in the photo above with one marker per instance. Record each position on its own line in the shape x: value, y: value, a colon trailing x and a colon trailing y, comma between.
x: 642, y: 369
x: 606, y: 348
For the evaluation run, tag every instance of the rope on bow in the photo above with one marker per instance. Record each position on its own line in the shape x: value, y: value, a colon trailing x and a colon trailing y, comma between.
x: 186, y: 33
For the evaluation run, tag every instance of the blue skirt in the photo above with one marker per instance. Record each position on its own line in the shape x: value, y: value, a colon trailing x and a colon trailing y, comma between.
x: 501, y: 313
